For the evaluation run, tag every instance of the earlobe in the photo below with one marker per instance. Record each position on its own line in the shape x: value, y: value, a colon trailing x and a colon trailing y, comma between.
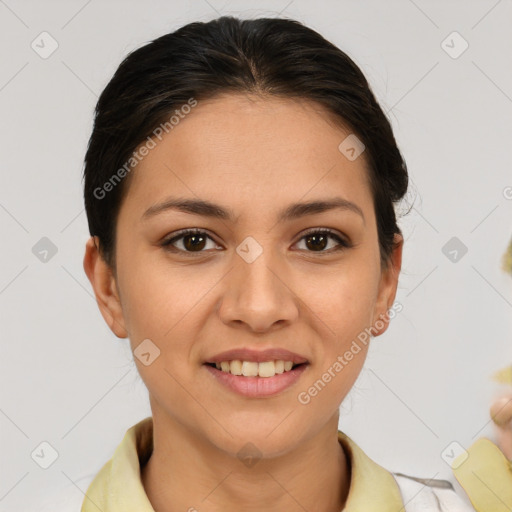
x: 104, y: 285
x: 387, y: 288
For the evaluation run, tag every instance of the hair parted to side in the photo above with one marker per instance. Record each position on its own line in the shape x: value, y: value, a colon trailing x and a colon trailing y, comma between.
x: 265, y: 56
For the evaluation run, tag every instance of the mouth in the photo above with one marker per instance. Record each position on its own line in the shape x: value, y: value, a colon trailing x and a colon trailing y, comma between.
x: 253, y: 379
x: 256, y: 373
x: 263, y: 369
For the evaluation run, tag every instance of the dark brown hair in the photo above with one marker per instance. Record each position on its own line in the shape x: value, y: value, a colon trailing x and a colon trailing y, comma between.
x: 265, y: 56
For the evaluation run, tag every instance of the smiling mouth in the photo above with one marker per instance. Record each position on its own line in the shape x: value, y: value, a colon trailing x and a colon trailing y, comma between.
x: 263, y: 369
x: 257, y: 379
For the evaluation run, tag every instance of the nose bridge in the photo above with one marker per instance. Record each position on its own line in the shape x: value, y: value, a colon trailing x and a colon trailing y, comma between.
x: 259, y: 286
x: 257, y: 293
x: 259, y: 277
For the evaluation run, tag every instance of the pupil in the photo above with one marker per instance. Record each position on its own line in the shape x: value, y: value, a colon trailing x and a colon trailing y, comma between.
x: 321, y: 238
x: 195, y: 244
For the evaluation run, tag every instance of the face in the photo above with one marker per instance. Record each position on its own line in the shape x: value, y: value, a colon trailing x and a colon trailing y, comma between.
x: 257, y: 275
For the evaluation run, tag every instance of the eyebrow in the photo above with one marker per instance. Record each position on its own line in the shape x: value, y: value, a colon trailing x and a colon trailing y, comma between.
x: 208, y: 209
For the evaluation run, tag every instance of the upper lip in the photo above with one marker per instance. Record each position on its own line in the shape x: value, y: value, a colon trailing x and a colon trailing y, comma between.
x: 247, y: 354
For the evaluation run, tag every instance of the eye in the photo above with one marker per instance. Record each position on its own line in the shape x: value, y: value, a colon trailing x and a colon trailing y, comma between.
x: 196, y: 240
x: 191, y: 240
x: 318, y: 239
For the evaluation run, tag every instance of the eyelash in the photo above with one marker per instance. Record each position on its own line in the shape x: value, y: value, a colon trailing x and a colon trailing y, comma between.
x: 343, y: 244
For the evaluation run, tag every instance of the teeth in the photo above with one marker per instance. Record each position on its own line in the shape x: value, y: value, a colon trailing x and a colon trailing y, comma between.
x: 235, y: 367
x: 267, y: 369
x: 250, y: 369
x: 253, y: 369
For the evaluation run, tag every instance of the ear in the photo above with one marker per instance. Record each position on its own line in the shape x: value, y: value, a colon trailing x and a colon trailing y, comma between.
x: 387, y: 288
x: 105, y: 288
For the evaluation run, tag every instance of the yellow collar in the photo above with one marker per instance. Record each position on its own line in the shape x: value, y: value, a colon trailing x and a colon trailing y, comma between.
x: 118, y: 485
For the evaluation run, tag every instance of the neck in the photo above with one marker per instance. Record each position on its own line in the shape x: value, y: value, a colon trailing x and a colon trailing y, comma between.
x: 186, y: 473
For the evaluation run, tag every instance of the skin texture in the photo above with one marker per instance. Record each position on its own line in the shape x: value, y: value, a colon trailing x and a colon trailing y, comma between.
x: 255, y: 156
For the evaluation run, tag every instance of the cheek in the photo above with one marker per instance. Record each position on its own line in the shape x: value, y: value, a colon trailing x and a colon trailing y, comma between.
x: 343, y: 310
x: 159, y: 305
x: 343, y: 300
x: 158, y: 298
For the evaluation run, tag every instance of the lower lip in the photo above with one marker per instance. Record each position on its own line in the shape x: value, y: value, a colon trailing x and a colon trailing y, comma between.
x: 258, y: 387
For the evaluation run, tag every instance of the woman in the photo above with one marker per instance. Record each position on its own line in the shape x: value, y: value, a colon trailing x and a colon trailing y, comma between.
x: 240, y: 184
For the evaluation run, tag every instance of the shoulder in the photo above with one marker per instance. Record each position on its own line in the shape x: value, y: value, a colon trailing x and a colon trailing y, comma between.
x: 429, y: 494
x: 486, y: 475
x: 483, y: 473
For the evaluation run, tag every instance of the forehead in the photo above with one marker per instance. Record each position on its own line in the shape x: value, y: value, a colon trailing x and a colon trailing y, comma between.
x: 250, y: 148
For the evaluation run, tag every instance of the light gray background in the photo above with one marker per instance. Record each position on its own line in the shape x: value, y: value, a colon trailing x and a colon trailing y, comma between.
x: 67, y: 380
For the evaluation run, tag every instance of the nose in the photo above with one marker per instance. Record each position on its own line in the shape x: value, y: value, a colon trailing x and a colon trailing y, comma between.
x: 258, y: 296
